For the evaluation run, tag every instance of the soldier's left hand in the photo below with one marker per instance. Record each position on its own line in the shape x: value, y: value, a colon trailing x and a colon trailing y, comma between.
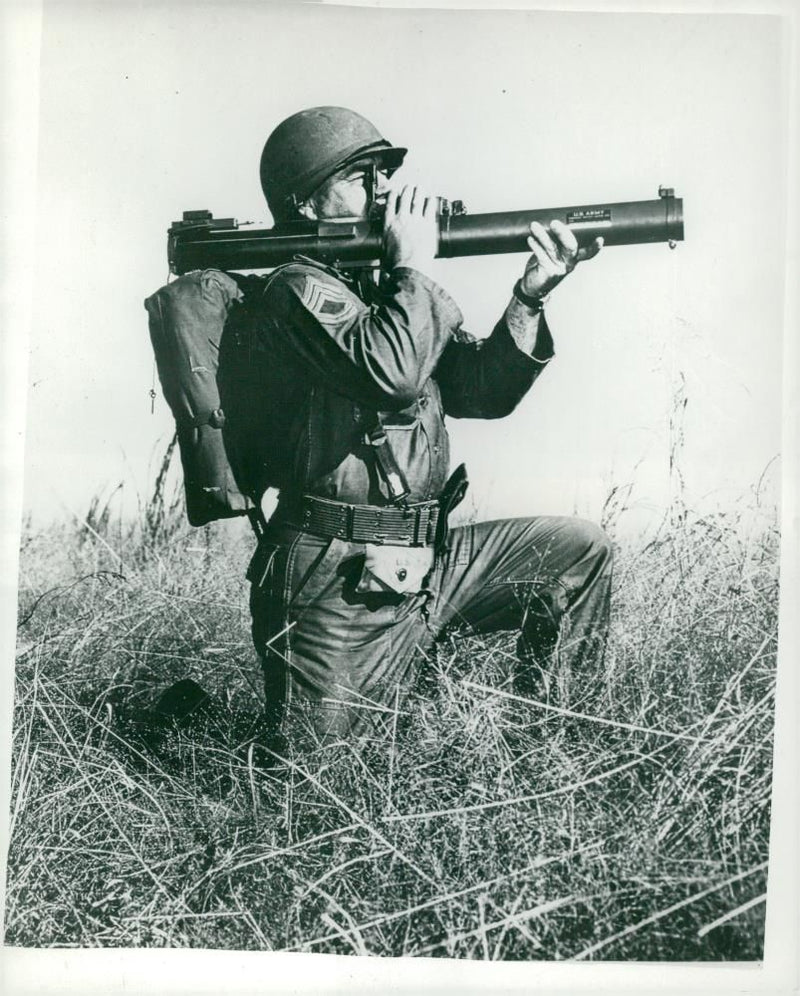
x: 555, y: 254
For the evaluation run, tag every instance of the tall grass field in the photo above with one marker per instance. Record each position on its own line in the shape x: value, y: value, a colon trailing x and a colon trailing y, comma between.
x: 631, y: 825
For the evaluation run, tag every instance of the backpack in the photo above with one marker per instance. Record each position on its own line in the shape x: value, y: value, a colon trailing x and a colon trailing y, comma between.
x: 186, y: 319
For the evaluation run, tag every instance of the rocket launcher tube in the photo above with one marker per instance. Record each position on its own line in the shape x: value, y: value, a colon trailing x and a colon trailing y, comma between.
x: 200, y: 241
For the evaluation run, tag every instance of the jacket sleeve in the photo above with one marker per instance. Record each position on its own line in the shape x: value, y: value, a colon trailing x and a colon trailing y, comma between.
x: 488, y: 378
x: 380, y: 356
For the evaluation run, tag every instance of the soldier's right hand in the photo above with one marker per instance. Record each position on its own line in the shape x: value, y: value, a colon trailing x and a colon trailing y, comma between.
x: 410, y: 229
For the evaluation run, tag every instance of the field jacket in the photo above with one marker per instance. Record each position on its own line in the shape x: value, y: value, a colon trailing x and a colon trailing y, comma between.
x: 310, y: 355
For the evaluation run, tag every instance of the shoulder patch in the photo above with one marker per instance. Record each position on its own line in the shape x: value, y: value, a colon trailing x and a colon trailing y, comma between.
x: 330, y: 304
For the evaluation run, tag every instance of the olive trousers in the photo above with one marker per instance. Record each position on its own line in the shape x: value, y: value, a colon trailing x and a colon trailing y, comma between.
x: 336, y: 659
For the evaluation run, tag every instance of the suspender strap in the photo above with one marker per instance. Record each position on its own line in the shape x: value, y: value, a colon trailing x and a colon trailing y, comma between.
x: 257, y: 521
x: 366, y: 281
x: 387, y: 465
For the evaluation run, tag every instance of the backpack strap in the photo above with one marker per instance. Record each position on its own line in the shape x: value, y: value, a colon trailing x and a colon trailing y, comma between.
x: 258, y: 521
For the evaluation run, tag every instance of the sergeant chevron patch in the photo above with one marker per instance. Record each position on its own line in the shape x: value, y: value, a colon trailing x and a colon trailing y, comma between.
x: 330, y: 305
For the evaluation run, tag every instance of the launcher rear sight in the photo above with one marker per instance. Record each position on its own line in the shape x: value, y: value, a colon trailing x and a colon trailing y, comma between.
x: 200, y: 240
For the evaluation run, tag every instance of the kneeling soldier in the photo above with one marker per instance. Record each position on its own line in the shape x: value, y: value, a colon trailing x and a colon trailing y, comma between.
x: 335, y: 388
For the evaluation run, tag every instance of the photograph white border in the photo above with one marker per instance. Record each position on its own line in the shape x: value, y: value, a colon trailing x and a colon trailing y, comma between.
x: 197, y: 972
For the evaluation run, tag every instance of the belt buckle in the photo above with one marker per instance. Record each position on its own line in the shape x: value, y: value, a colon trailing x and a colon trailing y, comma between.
x: 432, y: 524
x: 423, y: 517
x: 421, y: 526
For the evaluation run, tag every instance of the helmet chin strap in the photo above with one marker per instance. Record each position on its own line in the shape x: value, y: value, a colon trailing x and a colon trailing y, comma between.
x: 371, y: 185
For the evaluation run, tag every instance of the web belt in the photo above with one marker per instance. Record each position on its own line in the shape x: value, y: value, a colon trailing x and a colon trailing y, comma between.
x: 414, y: 525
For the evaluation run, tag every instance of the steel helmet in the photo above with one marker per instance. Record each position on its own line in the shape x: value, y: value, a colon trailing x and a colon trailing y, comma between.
x: 308, y: 147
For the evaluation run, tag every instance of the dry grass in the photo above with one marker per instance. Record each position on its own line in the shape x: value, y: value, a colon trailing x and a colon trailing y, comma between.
x: 478, y: 825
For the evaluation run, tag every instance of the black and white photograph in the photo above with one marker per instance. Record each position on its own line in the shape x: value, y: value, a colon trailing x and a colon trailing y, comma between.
x: 399, y: 472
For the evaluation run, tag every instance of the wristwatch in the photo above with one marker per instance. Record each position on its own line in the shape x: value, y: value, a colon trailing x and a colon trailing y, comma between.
x: 536, y: 304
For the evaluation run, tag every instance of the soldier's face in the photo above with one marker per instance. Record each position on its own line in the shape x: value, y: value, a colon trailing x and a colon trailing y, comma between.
x: 348, y: 194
